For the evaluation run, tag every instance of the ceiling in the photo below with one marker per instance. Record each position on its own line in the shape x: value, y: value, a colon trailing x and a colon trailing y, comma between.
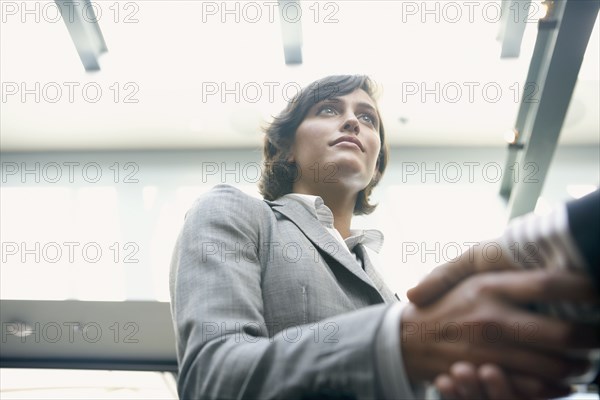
x: 174, y: 69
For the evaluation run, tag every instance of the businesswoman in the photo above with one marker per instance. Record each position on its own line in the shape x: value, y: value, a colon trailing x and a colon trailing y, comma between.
x: 277, y: 298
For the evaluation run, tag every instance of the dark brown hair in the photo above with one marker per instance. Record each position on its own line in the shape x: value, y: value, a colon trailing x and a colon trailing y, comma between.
x: 279, y: 174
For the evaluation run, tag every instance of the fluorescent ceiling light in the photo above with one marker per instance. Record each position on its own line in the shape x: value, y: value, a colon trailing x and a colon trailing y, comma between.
x: 82, y: 23
x: 514, y: 19
x: 290, y: 13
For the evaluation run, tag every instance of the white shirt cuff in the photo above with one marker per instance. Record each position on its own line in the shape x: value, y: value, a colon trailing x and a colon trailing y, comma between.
x: 388, y: 359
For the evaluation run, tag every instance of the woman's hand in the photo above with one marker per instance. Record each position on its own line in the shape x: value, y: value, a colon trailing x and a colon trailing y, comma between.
x: 466, y: 381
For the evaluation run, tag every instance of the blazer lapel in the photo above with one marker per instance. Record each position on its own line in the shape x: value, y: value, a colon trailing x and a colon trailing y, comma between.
x: 306, y: 220
x: 380, y: 285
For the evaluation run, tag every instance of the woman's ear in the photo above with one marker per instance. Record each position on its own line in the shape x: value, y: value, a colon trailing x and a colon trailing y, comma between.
x: 376, y: 176
x: 290, y: 156
x: 376, y: 173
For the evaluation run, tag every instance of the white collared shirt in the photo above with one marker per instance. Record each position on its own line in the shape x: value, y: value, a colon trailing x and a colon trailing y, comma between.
x: 371, y: 238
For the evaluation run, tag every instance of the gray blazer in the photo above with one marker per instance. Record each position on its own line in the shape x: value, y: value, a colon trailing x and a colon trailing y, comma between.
x: 265, y: 304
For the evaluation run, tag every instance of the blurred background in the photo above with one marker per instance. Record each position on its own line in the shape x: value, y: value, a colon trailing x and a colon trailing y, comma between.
x: 117, y: 115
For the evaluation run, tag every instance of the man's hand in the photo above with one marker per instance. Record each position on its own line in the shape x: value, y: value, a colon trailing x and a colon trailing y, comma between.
x: 481, y: 321
x: 443, y: 278
x: 465, y: 381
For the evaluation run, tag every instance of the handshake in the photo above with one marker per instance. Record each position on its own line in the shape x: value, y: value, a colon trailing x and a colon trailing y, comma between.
x: 532, y: 314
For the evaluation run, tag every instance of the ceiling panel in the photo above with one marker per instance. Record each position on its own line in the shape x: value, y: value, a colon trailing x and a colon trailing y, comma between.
x: 192, y: 74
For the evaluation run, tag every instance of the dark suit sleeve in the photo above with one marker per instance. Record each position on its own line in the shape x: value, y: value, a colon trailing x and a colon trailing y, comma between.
x: 584, y: 225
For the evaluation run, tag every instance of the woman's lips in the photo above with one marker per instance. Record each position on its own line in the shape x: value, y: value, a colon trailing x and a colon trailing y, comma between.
x: 349, y: 141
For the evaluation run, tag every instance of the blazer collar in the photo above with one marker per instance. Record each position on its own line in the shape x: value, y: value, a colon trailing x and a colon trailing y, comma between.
x: 306, y: 219
x: 371, y: 238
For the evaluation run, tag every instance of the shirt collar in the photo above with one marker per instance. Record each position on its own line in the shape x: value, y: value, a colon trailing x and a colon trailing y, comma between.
x: 371, y: 238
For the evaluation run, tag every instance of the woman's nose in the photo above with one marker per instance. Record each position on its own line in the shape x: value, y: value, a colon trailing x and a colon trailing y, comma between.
x: 352, y: 125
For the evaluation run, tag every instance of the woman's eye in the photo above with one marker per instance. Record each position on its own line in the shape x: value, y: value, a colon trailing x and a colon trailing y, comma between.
x: 369, y: 118
x: 326, y: 110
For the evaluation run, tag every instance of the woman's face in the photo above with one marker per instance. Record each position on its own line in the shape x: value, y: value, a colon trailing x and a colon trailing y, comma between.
x: 338, y: 143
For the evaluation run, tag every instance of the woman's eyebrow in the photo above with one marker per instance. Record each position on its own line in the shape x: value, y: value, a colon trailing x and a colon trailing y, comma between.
x: 330, y: 100
x: 366, y: 105
x: 335, y: 100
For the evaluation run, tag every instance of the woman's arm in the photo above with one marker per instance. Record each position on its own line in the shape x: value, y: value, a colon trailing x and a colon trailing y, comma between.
x: 223, y: 346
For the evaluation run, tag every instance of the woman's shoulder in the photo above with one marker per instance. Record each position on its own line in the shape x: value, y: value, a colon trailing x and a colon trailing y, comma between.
x: 226, y: 201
